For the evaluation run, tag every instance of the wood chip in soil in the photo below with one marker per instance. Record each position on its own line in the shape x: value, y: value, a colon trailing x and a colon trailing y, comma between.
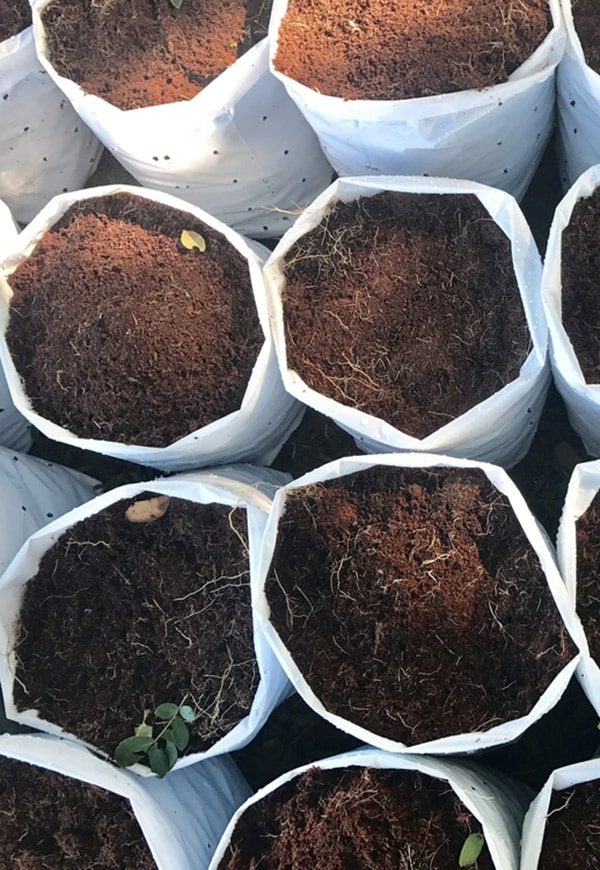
x: 359, y: 818
x: 137, y: 53
x: 572, y: 835
x: 121, y: 333
x: 413, y: 604
x: 406, y: 307
x: 350, y: 49
x: 53, y: 822
x: 580, y: 298
x: 15, y: 16
x: 122, y: 617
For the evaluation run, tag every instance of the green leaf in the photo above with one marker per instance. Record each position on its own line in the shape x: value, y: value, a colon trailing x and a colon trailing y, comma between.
x: 159, y: 761
x: 188, y: 714
x: 129, y: 750
x: 179, y: 733
x: 190, y: 239
x: 166, y: 711
x: 171, y: 752
x: 471, y: 850
x: 143, y: 730
x: 177, y: 3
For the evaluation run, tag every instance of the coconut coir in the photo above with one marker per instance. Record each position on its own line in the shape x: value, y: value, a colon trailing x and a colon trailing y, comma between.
x: 365, y: 819
x: 586, y: 17
x: 53, y: 822
x: 122, y: 617
x: 397, y: 49
x: 572, y: 835
x: 137, y: 53
x: 580, y: 299
x: 406, y: 307
x: 588, y: 574
x: 15, y: 16
x: 121, y: 333
x: 413, y: 603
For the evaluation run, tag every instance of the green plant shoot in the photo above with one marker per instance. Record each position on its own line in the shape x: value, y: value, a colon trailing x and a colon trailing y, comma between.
x: 190, y: 239
x: 159, y: 751
x: 471, y: 850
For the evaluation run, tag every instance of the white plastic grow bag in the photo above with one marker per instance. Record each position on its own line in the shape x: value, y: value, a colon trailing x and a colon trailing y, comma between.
x: 583, y: 487
x: 582, y: 399
x: 495, y: 802
x: 181, y: 816
x: 244, y: 487
x: 495, y: 135
x: 44, y: 146
x: 14, y: 429
x: 239, y: 149
x: 453, y: 743
x: 499, y: 429
x: 33, y: 492
x: 535, y: 820
x: 578, y: 93
x: 254, y: 432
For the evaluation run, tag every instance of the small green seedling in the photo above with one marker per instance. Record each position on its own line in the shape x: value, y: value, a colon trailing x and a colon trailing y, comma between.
x: 177, y: 3
x: 159, y: 752
x: 190, y: 239
x: 471, y: 850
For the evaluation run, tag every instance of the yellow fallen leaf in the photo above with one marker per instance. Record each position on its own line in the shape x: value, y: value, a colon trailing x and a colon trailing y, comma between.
x: 191, y: 239
x: 148, y: 509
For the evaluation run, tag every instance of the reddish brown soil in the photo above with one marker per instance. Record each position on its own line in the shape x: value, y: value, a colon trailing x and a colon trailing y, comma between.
x: 122, y: 617
x: 572, y: 837
x: 120, y: 333
x: 384, y: 308
x: 588, y: 574
x: 586, y: 16
x: 137, y: 53
x: 15, y: 16
x: 580, y: 298
x: 417, y: 608
x: 382, y: 50
x: 51, y: 822
x: 364, y: 819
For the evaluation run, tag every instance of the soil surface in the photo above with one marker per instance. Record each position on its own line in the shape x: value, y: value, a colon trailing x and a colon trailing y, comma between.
x: 586, y: 17
x: 588, y: 574
x: 15, y: 16
x: 572, y: 837
x: 125, y: 616
x: 384, y: 309
x: 350, y: 48
x: 418, y: 608
x: 137, y: 53
x: 52, y: 822
x: 580, y: 299
x: 121, y: 333
x: 366, y: 819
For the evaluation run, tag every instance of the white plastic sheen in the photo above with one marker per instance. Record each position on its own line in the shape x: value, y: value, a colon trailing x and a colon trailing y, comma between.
x: 44, y: 146
x: 535, y: 820
x: 496, y: 803
x: 453, y: 743
x: 578, y: 92
x: 14, y: 429
x: 32, y: 492
x: 583, y: 487
x: 582, y: 399
x: 243, y: 487
x: 254, y: 432
x: 499, y: 429
x: 182, y: 816
x: 495, y: 135
x: 239, y: 149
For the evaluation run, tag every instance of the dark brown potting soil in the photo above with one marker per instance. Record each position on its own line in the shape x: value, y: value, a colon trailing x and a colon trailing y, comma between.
x: 580, y: 298
x: 588, y: 574
x: 52, y: 822
x: 413, y: 603
x: 122, y: 617
x: 359, y: 818
x: 382, y: 50
x: 586, y: 17
x: 15, y: 16
x: 121, y: 333
x: 572, y: 835
x: 405, y: 306
x: 137, y: 53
